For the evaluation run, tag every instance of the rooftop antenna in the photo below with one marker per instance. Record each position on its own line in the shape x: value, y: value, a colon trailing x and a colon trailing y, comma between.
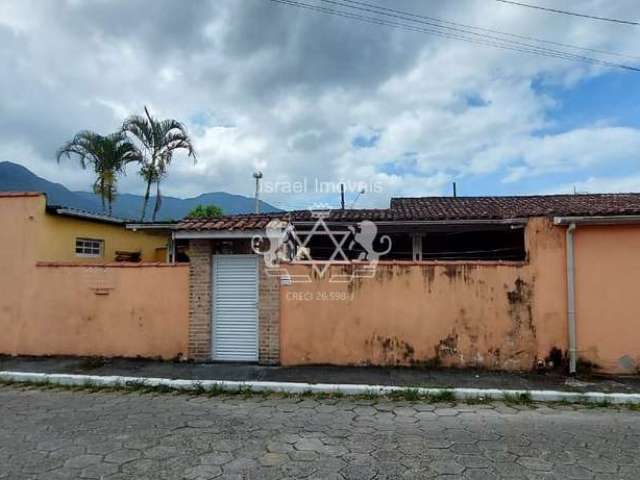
x: 257, y: 176
x: 342, y: 196
x: 455, y: 193
x: 361, y: 192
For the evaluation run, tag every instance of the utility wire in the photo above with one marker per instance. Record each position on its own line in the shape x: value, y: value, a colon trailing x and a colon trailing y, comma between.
x: 487, y: 30
x: 402, y: 26
x: 573, y: 14
x: 458, y: 35
x: 370, y: 8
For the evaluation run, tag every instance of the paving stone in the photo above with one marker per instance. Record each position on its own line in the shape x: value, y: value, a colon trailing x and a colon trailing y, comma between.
x: 536, y: 464
x: 99, y: 470
x: 479, y: 474
x: 202, y: 472
x: 271, y: 459
x: 447, y: 467
x: 54, y: 435
x: 216, y: 458
x: 82, y: 461
x: 122, y: 456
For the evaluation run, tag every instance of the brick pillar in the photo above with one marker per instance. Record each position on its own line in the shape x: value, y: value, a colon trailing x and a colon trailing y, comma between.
x: 200, y: 299
x: 269, y: 317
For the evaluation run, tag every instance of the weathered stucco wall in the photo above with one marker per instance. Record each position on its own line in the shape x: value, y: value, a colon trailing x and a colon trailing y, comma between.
x: 70, y: 309
x: 114, y: 310
x: 607, y: 306
x: 494, y: 315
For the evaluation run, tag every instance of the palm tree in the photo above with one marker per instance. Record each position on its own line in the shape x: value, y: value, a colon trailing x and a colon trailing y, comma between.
x: 159, y: 139
x: 108, y: 155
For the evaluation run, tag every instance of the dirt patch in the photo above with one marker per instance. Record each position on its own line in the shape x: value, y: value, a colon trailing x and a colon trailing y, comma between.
x: 459, y: 272
x: 447, y: 346
x: 428, y: 274
x: 519, y: 349
x: 556, y: 360
x: 390, y: 350
x: 446, y: 351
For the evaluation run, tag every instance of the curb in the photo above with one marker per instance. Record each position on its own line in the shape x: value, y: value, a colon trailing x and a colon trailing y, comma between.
x: 328, y: 388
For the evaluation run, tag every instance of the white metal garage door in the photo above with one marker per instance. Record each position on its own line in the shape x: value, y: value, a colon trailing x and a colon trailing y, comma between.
x: 235, y: 308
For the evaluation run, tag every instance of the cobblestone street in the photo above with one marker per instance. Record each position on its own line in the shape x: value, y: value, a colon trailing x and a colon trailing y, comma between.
x: 58, y: 434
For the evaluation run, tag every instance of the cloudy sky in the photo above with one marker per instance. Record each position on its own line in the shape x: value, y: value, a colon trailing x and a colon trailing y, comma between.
x: 303, y: 95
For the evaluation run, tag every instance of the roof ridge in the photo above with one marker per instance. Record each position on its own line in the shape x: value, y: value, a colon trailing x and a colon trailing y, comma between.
x: 9, y: 194
x: 552, y: 195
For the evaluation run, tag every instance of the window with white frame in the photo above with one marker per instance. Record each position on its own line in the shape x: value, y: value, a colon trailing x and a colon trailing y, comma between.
x: 88, y: 247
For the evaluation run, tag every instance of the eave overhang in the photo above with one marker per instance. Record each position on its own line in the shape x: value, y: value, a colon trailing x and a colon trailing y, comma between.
x: 598, y: 220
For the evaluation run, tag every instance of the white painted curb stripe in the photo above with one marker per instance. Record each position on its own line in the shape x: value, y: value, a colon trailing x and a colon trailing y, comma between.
x: 295, y: 387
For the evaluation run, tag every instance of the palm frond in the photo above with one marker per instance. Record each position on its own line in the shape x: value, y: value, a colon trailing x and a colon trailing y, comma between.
x: 108, y: 156
x: 159, y: 140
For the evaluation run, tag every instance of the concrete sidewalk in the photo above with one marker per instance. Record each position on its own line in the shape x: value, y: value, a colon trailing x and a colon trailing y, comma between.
x: 402, y: 377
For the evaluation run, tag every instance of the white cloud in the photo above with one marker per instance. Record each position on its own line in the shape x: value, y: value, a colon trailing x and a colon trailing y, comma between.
x: 271, y: 87
x: 628, y: 183
x: 574, y: 151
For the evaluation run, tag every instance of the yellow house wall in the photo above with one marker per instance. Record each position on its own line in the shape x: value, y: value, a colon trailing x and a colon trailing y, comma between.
x: 57, y: 240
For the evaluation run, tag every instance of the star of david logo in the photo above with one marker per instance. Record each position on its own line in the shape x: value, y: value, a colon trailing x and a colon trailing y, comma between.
x: 302, y: 238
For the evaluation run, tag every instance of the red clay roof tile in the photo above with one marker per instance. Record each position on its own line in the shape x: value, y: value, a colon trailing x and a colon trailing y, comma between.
x: 443, y: 209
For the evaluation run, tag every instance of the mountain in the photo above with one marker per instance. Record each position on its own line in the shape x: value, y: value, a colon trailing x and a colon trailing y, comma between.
x: 14, y: 177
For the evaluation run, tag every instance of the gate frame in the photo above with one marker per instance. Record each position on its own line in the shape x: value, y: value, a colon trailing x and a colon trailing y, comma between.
x: 213, y: 306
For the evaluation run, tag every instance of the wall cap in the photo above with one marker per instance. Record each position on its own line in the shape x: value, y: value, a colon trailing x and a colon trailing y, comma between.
x: 20, y: 194
x: 110, y: 264
x: 409, y: 263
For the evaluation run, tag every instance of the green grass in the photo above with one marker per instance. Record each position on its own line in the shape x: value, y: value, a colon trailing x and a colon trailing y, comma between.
x: 408, y: 394
x: 369, y: 395
x: 523, y: 398
x: 414, y: 395
x: 327, y: 395
x: 443, y: 396
x: 198, y: 389
x: 478, y: 400
x: 215, y: 390
x: 602, y: 404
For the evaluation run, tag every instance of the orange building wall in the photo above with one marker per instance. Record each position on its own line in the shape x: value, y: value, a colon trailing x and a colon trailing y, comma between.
x: 70, y: 309
x: 495, y: 315
x: 114, y: 310
x: 607, y: 296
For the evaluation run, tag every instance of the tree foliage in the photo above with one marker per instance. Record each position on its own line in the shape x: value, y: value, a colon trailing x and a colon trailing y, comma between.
x: 106, y: 155
x: 158, y: 140
x: 205, y: 211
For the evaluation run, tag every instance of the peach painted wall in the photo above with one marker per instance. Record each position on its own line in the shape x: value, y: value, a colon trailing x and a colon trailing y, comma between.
x: 607, y: 296
x: 108, y: 310
x: 72, y: 309
x: 495, y: 315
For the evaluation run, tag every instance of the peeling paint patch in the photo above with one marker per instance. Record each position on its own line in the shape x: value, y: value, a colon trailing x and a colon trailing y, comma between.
x: 391, y: 350
x: 446, y: 351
